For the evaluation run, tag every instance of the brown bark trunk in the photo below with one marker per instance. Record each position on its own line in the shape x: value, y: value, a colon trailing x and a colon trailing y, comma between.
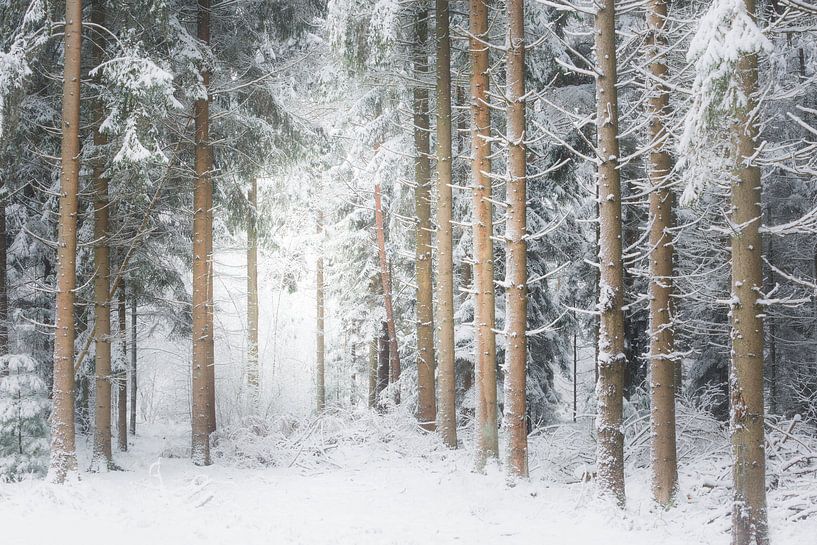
x: 516, y: 292
x: 122, y: 374
x: 447, y: 413
x: 749, y: 521
x: 385, y: 275
x: 210, y: 339
x: 487, y: 440
x: 102, y: 308
x: 609, y: 389
x: 253, y: 371
x: 383, y: 363
x: 200, y: 414
x: 427, y: 400
x: 662, y: 343
x: 63, y: 448
x: 320, y: 348
x: 133, y: 381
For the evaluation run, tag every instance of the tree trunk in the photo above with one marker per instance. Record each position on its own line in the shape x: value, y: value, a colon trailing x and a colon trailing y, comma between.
x: 426, y: 391
x: 749, y: 522
x: 63, y: 449
x: 662, y: 342
x: 320, y: 350
x: 383, y: 363
x: 210, y: 339
x: 133, y: 381
x: 447, y: 414
x: 200, y: 416
x: 772, y: 281
x: 373, y: 374
x: 385, y: 275
x: 102, y: 307
x: 609, y: 389
x: 516, y: 280
x: 4, y: 296
x: 122, y: 373
x: 253, y: 371
x: 487, y: 440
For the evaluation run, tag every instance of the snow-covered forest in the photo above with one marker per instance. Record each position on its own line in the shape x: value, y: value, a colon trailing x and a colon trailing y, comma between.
x: 408, y: 271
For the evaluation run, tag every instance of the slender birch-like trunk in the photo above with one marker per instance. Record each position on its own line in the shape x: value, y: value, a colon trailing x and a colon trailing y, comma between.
x: 102, y: 309
x: 426, y: 391
x: 320, y: 355
x: 516, y: 291
x: 447, y: 380
x: 610, y: 385
x: 63, y: 449
x: 133, y: 381
x: 487, y: 439
x: 373, y: 374
x: 385, y: 275
x: 662, y: 342
x: 122, y: 373
x: 200, y: 416
x: 749, y: 517
x: 383, y: 363
x: 253, y: 371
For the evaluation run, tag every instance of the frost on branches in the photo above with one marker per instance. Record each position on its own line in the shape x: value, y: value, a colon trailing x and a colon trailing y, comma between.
x: 725, y: 33
x: 23, y: 418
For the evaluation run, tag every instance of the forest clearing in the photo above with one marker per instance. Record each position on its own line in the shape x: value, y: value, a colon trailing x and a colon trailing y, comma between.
x: 408, y: 271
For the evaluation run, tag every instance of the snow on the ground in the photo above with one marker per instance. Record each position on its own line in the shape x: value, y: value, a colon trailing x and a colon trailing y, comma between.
x: 342, y: 481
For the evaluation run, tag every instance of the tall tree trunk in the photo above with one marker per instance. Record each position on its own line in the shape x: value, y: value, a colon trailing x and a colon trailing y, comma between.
x: 385, y: 275
x: 427, y: 401
x: 749, y: 521
x: 662, y: 342
x: 102, y: 262
x: 63, y: 448
x: 4, y: 296
x: 133, y: 382
x: 210, y: 339
x: 487, y: 440
x: 609, y: 389
x: 320, y: 355
x: 383, y: 363
x: 447, y: 413
x: 373, y: 374
x: 516, y: 280
x: 200, y: 416
x: 772, y: 281
x: 122, y: 373
x: 253, y: 371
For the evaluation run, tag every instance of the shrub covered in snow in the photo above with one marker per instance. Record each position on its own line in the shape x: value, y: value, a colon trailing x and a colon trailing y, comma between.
x: 23, y: 418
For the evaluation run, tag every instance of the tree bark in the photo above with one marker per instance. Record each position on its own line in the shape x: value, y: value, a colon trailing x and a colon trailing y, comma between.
x: 383, y: 363
x: 749, y: 519
x: 662, y: 342
x: 200, y: 415
x: 133, y: 381
x: 122, y: 373
x: 63, y: 448
x: 102, y: 307
x: 487, y: 440
x: 4, y: 296
x: 373, y: 374
x: 426, y: 391
x: 447, y: 413
x: 210, y: 339
x: 609, y: 389
x: 253, y: 371
x: 385, y: 275
x: 320, y: 348
x: 516, y: 280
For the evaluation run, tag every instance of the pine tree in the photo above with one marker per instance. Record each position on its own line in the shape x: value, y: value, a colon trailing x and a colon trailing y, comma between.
x: 516, y: 279
x: 487, y: 438
x: 447, y: 380
x: 63, y: 450
x: 663, y: 361
x: 610, y: 386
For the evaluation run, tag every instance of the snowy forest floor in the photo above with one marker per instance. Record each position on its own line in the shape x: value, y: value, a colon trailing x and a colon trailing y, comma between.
x: 359, y: 479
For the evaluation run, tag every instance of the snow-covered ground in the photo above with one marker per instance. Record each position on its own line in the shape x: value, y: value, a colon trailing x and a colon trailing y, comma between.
x: 351, y: 479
